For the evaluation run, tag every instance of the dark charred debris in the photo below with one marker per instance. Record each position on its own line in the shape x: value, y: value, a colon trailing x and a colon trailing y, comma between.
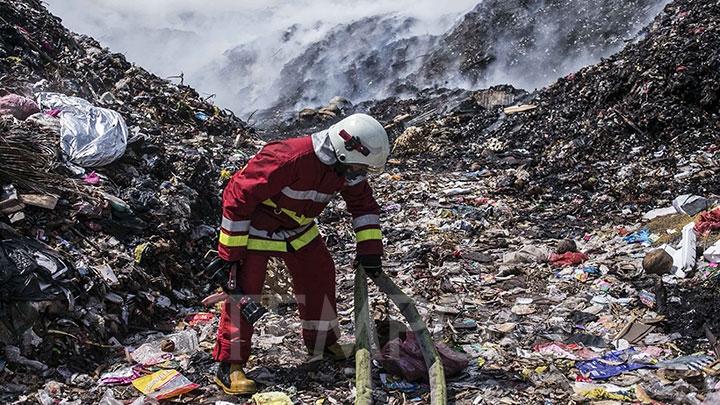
x: 482, y: 187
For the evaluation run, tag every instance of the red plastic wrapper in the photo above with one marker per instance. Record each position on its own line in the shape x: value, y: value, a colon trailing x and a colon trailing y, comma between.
x: 708, y: 222
x: 404, y: 359
x: 567, y: 259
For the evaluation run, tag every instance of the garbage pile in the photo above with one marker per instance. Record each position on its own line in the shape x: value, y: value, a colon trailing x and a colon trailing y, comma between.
x: 110, y: 180
x: 561, y: 246
x: 637, y: 127
x: 510, y: 39
x: 497, y: 41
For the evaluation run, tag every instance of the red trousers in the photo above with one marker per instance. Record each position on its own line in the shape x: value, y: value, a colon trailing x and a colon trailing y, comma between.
x: 313, y: 280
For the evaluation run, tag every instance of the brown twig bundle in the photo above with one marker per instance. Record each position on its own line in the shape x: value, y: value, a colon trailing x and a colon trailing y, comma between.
x: 27, y: 157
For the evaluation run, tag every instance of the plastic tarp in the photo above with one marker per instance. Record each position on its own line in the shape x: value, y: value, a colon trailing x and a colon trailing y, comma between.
x: 90, y: 136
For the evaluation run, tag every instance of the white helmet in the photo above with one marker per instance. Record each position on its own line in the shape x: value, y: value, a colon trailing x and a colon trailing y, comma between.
x: 360, y: 139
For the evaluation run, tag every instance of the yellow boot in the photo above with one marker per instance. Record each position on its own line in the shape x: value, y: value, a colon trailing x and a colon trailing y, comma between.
x: 231, y: 378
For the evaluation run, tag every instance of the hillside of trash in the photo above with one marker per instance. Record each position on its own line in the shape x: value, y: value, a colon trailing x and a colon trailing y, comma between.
x: 562, y: 245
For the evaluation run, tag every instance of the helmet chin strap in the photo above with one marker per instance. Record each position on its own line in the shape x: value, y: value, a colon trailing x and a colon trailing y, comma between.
x: 344, y: 171
x: 340, y: 169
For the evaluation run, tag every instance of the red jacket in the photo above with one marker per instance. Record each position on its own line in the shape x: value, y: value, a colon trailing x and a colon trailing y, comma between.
x: 270, y: 205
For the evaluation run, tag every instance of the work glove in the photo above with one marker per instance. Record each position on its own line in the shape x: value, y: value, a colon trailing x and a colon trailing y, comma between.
x: 219, y: 271
x: 371, y: 263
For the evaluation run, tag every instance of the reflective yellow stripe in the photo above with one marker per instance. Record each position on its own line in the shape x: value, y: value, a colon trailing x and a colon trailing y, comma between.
x: 270, y: 203
x: 302, y: 220
x: 269, y: 245
x: 368, y: 234
x: 305, y: 238
x: 233, y: 241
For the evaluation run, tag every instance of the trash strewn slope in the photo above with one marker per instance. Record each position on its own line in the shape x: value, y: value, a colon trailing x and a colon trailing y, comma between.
x: 520, y: 223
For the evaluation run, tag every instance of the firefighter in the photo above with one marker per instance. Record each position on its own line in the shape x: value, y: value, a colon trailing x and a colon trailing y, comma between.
x: 269, y: 209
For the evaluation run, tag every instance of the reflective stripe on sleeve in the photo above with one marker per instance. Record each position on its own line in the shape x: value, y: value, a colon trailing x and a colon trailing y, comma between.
x: 233, y: 241
x: 368, y: 234
x: 235, y: 226
x: 365, y: 220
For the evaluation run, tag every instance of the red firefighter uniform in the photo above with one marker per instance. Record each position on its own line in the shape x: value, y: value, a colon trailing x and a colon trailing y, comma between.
x: 269, y: 209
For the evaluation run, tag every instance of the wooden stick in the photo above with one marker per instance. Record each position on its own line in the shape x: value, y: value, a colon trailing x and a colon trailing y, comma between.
x: 363, y: 376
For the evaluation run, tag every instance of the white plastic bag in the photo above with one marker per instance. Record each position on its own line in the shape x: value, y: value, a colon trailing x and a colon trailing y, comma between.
x: 90, y: 136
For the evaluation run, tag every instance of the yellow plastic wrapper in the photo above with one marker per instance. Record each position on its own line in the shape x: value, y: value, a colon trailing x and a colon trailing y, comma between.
x: 272, y: 398
x: 164, y: 384
x: 596, y: 391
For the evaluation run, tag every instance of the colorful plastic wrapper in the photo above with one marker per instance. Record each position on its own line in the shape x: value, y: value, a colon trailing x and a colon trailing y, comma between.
x: 164, y: 384
x: 611, y: 364
x: 124, y: 375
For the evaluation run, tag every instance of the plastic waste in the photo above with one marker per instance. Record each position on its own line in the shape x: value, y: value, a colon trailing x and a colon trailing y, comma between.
x: 18, y: 106
x: 90, y: 136
x: 30, y: 271
x: 164, y: 384
x: 611, y: 364
x: 527, y: 254
x: 659, y: 212
x: 109, y: 398
x: 712, y: 254
x: 567, y: 259
x: 46, y: 121
x: 642, y: 236
x: 708, y: 222
x: 404, y: 358
x: 153, y: 353
x: 689, y: 204
x: 124, y: 375
x: 684, y: 256
x: 271, y: 398
x: 692, y: 362
x: 603, y: 391
x: 394, y: 384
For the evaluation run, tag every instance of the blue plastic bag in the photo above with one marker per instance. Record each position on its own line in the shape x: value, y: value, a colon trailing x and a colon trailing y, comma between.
x: 611, y: 364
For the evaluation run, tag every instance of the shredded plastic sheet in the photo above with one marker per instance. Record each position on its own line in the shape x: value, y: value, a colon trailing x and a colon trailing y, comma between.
x: 90, y: 136
x: 691, y: 362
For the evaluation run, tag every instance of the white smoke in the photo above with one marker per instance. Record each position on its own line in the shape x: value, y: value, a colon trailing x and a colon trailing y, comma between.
x: 195, y: 37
